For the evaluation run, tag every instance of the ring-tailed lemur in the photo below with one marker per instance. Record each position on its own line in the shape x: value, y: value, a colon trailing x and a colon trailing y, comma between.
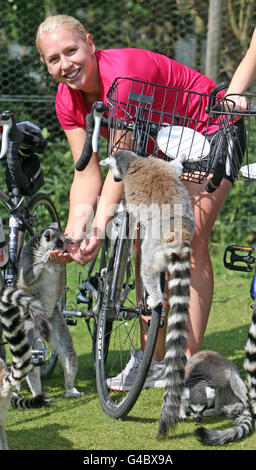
x: 158, y: 200
x: 14, y: 306
x: 213, y: 386
x: 45, y: 281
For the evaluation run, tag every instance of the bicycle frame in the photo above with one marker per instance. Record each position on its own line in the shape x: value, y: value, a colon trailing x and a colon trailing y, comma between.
x: 17, y: 225
x: 88, y: 293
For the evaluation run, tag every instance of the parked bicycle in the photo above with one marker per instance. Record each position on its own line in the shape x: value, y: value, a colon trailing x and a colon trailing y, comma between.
x: 114, y: 315
x: 25, y: 209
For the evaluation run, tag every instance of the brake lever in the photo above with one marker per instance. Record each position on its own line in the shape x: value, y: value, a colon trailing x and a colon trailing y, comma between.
x: 97, y: 115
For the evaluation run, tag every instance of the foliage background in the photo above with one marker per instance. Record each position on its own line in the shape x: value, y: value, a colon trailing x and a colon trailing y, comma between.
x: 177, y: 28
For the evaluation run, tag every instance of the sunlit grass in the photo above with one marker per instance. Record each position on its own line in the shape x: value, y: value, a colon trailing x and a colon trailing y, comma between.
x: 76, y: 424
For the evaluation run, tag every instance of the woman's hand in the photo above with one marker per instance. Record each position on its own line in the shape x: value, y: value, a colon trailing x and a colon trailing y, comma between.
x: 82, y: 254
x: 58, y: 257
x: 91, y: 244
x: 236, y: 103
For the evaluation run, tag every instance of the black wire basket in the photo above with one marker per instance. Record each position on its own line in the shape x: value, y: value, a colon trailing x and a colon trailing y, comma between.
x: 171, y: 123
x: 248, y: 170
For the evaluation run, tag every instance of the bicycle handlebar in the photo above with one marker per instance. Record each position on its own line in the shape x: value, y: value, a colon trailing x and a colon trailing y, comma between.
x: 219, y: 171
x: 95, y: 119
x: 13, y: 136
x: 93, y: 124
x: 216, y: 179
x: 213, y: 96
x: 7, y: 125
x: 24, y: 133
x: 226, y: 107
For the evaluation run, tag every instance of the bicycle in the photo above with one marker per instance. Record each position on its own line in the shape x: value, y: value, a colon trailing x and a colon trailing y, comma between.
x: 109, y: 291
x: 26, y: 209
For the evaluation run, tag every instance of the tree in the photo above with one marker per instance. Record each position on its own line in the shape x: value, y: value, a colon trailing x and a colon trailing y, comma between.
x: 213, y: 39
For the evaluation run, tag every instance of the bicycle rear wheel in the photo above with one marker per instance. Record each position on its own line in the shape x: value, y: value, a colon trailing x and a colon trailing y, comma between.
x: 41, y: 212
x: 119, y: 332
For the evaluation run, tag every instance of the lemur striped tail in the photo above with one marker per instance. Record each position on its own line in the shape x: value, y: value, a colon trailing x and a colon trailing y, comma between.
x: 11, y: 302
x: 35, y: 402
x: 244, y: 426
x: 250, y: 362
x: 20, y: 349
x: 176, y: 342
x: 12, y: 296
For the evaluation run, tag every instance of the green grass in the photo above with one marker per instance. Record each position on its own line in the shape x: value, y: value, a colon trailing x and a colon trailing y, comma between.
x: 79, y: 424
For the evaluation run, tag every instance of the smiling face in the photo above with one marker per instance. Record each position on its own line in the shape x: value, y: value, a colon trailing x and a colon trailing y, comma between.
x: 70, y: 59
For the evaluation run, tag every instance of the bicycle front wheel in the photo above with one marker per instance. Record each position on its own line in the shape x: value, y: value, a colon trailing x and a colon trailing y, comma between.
x: 118, y: 343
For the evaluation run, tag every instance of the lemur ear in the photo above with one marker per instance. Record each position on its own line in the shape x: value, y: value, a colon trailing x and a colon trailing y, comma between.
x: 47, y: 235
x: 109, y: 161
x: 55, y: 225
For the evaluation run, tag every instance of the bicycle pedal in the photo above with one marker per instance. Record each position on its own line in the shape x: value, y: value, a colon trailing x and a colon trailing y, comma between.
x: 38, y: 360
x: 239, y: 258
x: 71, y: 313
x: 82, y: 299
x: 39, y: 352
x: 71, y: 321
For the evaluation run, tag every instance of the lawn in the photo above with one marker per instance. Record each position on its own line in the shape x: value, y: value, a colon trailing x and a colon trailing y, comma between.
x: 80, y: 424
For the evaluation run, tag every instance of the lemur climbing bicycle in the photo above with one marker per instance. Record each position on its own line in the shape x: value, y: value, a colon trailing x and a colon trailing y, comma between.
x: 24, y: 209
x: 114, y: 304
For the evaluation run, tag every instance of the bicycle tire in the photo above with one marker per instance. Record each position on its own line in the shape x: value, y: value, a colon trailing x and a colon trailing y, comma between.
x: 42, y: 212
x: 103, y: 260
x: 112, y: 354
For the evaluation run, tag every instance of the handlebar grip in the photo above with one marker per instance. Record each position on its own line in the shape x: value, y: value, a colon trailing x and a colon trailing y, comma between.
x: 87, y: 148
x: 213, y: 94
x: 15, y: 134
x: 216, y: 179
x: 4, y: 140
x: 93, y: 124
x: 220, y: 86
x: 10, y: 132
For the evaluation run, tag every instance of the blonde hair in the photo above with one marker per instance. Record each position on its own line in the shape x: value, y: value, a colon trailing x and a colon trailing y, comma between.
x: 52, y: 23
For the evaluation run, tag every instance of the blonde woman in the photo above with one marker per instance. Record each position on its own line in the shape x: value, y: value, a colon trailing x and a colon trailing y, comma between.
x: 84, y: 74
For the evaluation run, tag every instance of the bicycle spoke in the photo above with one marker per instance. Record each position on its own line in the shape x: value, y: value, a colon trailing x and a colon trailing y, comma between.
x: 119, y: 336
